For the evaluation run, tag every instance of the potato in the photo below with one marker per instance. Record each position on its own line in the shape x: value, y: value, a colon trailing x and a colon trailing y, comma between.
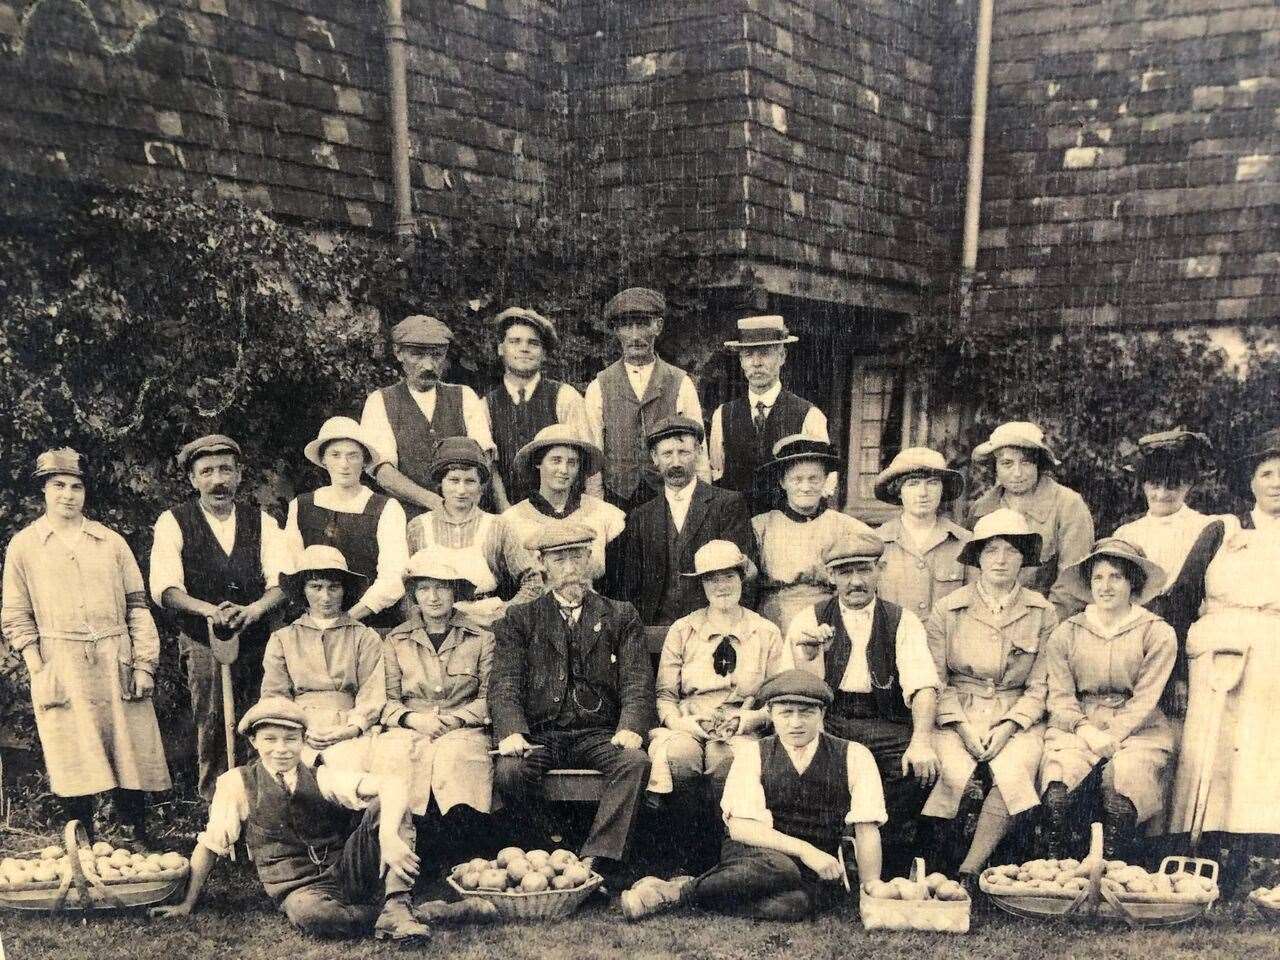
x: 1140, y: 885
x: 478, y: 863
x: 882, y: 890
x: 102, y: 849
x: 538, y: 858
x: 561, y: 882
x: 534, y: 882
x: 911, y: 891
x: 44, y: 872
x: 561, y: 859
x: 950, y: 890
x: 934, y: 881
x: 576, y: 874
x: 517, y: 869
x: 547, y: 870
x: 172, y: 861
x: 470, y: 880
x: 506, y: 855
x: 493, y: 879
x: 51, y: 853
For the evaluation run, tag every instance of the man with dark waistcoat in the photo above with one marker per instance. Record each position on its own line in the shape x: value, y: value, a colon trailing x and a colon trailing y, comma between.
x: 875, y: 657
x: 662, y: 536
x: 572, y: 686
x: 525, y: 401
x: 631, y: 395
x: 406, y: 420
x: 213, y: 559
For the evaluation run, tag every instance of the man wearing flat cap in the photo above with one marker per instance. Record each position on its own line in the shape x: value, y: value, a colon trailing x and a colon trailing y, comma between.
x: 572, y: 686
x: 406, y: 420
x: 632, y: 394
x: 790, y: 801
x: 744, y: 431
x: 217, y: 562
x: 875, y: 657
x: 661, y: 536
x: 525, y: 401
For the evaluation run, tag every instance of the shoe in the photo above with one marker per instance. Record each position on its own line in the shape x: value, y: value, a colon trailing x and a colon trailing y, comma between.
x: 652, y: 895
x: 467, y: 910
x: 617, y: 876
x: 131, y: 837
x: 397, y: 922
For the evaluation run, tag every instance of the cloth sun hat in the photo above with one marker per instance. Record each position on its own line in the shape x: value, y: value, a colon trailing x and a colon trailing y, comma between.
x: 796, y: 448
x: 560, y: 535
x: 319, y: 560
x: 850, y: 546
x: 1016, y: 433
x: 64, y: 460
x: 1113, y: 548
x: 457, y: 452
x: 421, y: 331
x: 206, y: 446
x: 1005, y: 524
x: 558, y: 435
x: 339, y: 428
x: 429, y: 564
x: 1178, y: 451
x: 918, y: 461
x: 276, y: 711
x: 674, y: 426
x: 716, y: 555
x: 762, y: 331
x: 513, y: 315
x: 635, y: 303
x: 795, y: 686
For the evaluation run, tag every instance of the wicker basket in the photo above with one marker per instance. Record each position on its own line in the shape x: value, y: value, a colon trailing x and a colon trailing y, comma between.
x: 1269, y: 910
x: 878, y: 913
x: 544, y: 905
x: 78, y: 890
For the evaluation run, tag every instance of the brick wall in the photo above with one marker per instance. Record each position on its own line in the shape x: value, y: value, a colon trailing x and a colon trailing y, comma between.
x: 1133, y: 164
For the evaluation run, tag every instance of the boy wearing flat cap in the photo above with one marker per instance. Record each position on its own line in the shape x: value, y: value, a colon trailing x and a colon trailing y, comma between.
x: 406, y: 420
x: 789, y: 801
x: 217, y: 561
x: 295, y: 820
x: 630, y: 396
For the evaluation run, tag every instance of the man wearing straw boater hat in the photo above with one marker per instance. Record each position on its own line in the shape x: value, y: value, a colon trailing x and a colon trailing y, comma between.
x: 524, y: 401
x: 789, y: 801
x: 217, y: 562
x: 634, y: 393
x: 743, y: 431
x: 406, y: 420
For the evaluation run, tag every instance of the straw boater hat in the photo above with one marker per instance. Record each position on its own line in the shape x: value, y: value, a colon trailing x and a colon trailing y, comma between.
x: 1178, y: 451
x: 277, y: 711
x: 1004, y: 524
x: 716, y: 555
x: 340, y: 428
x: 206, y: 446
x: 454, y: 452
x: 421, y: 331
x: 1113, y: 548
x: 794, y: 449
x: 795, y: 686
x: 558, y: 435
x: 530, y: 318
x: 428, y: 564
x: 320, y: 560
x: 918, y: 462
x: 1016, y: 433
x: 761, y: 332
x: 851, y: 546
x: 560, y: 535
x: 63, y: 461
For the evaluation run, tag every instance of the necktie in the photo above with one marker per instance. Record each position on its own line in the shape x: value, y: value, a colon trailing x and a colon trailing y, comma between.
x: 520, y: 397
x: 284, y: 785
x: 570, y: 613
x: 759, y: 418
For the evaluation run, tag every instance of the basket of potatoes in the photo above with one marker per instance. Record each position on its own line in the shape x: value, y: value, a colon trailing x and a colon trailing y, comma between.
x: 1267, y: 900
x: 532, y: 885
x: 80, y: 876
x: 923, y: 901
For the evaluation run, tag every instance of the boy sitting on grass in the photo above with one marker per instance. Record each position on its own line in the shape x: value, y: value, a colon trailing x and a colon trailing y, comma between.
x: 788, y: 801
x: 327, y: 879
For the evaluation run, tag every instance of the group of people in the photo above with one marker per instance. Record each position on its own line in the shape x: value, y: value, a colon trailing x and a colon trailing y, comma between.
x: 547, y: 580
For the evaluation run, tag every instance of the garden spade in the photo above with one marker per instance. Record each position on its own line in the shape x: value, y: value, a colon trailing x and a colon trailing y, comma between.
x: 1228, y: 667
x: 225, y: 652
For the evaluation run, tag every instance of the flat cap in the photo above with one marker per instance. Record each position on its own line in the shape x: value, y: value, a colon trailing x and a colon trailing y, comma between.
x: 795, y: 686
x: 560, y: 535
x: 422, y: 331
x: 274, y: 710
x: 850, y: 546
x: 635, y: 302
x: 530, y: 318
x: 677, y: 425
x: 207, y: 446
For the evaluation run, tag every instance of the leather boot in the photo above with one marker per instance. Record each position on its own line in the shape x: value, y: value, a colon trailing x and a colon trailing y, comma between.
x: 1119, y: 825
x: 396, y: 921
x: 652, y: 895
x: 1054, y: 805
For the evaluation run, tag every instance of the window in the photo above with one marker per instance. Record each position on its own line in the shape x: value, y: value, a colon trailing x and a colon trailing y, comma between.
x: 887, y: 412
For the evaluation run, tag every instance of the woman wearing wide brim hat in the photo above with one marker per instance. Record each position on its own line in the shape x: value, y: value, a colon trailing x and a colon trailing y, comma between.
x: 436, y: 719
x: 792, y: 538
x: 1107, y: 668
x: 1021, y: 461
x: 712, y: 664
x: 482, y: 546
x: 368, y: 528
x: 1224, y: 608
x: 558, y: 461
x: 986, y: 639
x: 75, y: 607
x: 1166, y: 465
x: 327, y: 662
x: 921, y: 561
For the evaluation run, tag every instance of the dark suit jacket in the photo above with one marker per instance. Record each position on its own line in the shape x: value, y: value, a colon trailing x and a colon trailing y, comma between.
x: 529, y: 683
x: 641, y: 555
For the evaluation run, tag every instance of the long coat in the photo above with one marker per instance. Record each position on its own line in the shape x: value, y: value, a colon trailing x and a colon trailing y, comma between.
x: 531, y: 646
x: 916, y: 576
x: 642, y: 566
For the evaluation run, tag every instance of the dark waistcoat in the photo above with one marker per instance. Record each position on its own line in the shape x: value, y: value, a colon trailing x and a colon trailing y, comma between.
x: 885, y: 699
x: 810, y: 806
x: 213, y: 576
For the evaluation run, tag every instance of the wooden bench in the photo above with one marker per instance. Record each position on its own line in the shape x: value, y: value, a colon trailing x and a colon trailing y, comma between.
x: 573, y: 786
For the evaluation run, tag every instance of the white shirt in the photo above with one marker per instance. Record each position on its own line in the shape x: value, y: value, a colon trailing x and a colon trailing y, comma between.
x: 570, y: 612
x: 1265, y: 521
x: 916, y: 670
x: 678, y: 502
x: 744, y: 797
x: 165, y: 564
x: 1166, y: 540
x: 393, y: 545
x: 814, y: 426
x: 475, y: 416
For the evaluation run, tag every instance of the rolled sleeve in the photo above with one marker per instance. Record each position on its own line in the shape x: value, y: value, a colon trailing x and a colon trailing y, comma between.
x: 688, y: 404
x: 165, y: 561
x: 393, y: 556
x: 475, y: 416
x: 866, y: 794
x: 916, y: 670
x: 571, y: 410
x: 376, y: 426
x: 227, y: 813
x: 274, y: 553
x: 341, y: 787
x: 743, y: 797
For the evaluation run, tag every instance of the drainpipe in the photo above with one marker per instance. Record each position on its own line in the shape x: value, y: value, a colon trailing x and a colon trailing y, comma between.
x: 977, y: 138
x: 397, y: 40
